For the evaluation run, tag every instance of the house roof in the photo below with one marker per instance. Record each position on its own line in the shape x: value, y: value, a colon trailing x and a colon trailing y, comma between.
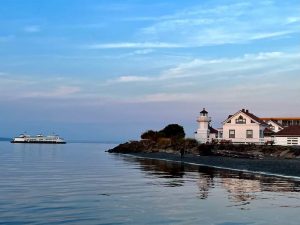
x: 279, y: 118
x: 212, y: 130
x: 278, y: 124
x: 252, y: 116
x: 268, y: 132
x: 289, y: 131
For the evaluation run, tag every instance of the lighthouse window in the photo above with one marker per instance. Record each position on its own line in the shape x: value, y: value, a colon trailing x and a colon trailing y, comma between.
x: 231, y: 133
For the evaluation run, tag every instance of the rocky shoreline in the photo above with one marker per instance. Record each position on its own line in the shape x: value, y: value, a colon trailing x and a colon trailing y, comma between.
x: 190, y: 146
x: 279, y: 160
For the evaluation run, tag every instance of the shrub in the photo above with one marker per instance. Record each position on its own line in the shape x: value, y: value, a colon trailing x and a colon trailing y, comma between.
x: 173, y: 131
x: 150, y: 135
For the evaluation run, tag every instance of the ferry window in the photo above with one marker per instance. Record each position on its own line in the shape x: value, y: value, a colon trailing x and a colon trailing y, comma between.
x: 249, y: 133
x: 231, y: 133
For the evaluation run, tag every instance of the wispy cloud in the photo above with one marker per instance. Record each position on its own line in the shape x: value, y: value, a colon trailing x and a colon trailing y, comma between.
x: 226, y: 24
x: 184, y: 81
x: 164, y: 97
x: 32, y: 29
x: 143, y: 52
x: 21, y: 87
x: 251, y: 76
x: 292, y: 20
x: 6, y: 38
x: 246, y: 65
x: 118, y: 7
x: 58, y: 92
x: 129, y: 79
x: 135, y: 45
x: 211, y: 25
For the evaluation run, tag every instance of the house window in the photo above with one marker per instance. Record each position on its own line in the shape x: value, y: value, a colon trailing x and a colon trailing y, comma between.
x: 292, y: 141
x: 249, y: 133
x: 229, y: 121
x: 220, y: 135
x: 231, y: 133
x: 240, y: 120
x: 261, y: 134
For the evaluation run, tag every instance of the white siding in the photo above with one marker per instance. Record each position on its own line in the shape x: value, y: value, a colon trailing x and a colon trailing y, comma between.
x: 287, y: 141
x: 274, y: 126
x: 241, y: 129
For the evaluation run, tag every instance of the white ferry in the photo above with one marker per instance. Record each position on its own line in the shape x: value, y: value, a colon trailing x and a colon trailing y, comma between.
x: 39, y: 139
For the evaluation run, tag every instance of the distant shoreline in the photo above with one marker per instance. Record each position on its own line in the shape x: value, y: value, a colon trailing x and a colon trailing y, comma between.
x: 289, y: 168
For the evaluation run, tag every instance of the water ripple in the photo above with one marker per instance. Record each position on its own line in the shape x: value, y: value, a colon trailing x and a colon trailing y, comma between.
x: 82, y: 184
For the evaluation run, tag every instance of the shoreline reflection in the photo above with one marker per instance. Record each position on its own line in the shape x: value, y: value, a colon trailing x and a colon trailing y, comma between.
x: 241, y: 187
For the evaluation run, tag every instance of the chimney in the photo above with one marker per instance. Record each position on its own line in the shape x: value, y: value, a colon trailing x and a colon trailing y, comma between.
x: 243, y: 110
x: 247, y: 111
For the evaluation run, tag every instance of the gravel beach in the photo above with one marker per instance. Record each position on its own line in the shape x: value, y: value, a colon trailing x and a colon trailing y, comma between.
x: 282, y: 167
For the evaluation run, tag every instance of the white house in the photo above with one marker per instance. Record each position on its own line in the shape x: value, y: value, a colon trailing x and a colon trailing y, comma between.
x: 288, y: 136
x: 274, y: 126
x: 244, y: 127
x: 205, y: 133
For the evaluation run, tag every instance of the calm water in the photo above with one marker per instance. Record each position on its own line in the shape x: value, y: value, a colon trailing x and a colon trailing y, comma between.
x: 81, y: 184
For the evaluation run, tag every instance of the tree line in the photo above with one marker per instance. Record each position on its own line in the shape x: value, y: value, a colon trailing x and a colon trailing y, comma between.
x: 172, y: 131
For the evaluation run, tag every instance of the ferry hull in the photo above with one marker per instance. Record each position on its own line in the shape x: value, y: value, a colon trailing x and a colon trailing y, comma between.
x: 37, y: 142
x: 38, y: 139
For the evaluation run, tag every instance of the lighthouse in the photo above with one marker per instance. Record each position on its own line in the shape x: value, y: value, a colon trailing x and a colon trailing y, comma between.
x: 203, y: 132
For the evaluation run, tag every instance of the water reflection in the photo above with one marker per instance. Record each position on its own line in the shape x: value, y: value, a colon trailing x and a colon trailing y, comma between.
x: 172, y: 174
x: 240, y: 187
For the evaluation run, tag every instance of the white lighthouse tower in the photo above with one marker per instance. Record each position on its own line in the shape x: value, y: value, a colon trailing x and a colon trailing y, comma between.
x: 203, y: 133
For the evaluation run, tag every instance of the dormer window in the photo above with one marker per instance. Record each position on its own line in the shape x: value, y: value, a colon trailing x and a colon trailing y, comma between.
x: 240, y: 120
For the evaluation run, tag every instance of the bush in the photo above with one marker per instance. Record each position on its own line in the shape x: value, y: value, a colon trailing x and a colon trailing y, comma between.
x: 173, y: 131
x: 150, y: 135
x: 205, y: 149
x: 164, y: 142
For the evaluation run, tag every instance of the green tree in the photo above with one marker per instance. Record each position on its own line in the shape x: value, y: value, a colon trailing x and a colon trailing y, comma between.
x: 150, y: 134
x: 173, y: 131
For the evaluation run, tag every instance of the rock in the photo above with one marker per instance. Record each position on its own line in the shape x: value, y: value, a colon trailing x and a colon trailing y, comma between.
x: 190, y: 146
x: 282, y: 154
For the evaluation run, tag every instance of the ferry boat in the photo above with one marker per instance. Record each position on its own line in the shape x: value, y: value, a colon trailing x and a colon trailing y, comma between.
x: 39, y: 139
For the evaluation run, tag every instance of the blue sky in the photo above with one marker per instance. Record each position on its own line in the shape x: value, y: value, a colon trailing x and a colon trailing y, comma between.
x: 108, y: 70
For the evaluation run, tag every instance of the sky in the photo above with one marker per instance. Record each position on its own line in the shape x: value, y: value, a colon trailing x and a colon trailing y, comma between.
x: 109, y: 70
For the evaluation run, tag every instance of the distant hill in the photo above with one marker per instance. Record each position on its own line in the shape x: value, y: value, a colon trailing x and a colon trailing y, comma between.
x: 4, y: 139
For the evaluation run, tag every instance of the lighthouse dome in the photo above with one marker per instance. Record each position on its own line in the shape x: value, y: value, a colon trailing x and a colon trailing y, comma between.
x: 203, y: 112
